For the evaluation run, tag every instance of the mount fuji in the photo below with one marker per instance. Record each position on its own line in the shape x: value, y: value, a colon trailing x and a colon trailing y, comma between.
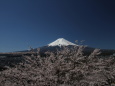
x: 58, y: 44
x: 61, y: 42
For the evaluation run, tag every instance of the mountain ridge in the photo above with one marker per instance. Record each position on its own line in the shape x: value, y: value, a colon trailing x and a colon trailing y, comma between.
x: 61, y: 43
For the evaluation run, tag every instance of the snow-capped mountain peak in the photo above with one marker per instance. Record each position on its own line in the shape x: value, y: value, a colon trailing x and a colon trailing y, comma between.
x: 61, y: 42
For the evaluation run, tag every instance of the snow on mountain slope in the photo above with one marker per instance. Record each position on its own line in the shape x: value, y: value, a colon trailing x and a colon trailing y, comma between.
x: 61, y: 42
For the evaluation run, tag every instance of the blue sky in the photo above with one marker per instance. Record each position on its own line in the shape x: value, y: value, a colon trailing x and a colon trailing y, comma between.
x: 35, y: 23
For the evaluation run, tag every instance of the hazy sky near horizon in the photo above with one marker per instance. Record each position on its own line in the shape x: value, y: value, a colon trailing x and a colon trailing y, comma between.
x: 35, y: 23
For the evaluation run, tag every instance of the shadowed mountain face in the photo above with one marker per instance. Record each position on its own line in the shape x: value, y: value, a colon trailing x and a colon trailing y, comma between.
x: 86, y: 50
x: 53, y: 48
